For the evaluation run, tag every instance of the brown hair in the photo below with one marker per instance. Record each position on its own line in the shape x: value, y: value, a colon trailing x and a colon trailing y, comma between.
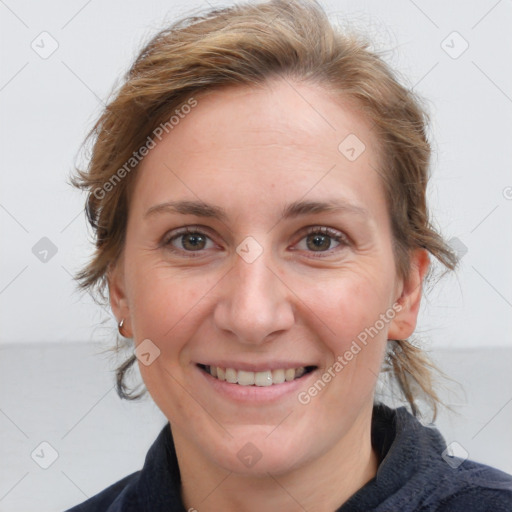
x: 249, y: 44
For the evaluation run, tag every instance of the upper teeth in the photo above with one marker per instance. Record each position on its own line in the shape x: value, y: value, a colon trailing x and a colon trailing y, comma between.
x: 265, y: 378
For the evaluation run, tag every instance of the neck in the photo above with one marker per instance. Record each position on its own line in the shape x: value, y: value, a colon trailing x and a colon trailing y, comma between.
x: 318, y: 485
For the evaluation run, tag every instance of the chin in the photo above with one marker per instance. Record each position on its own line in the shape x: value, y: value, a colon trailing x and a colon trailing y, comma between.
x: 255, y: 453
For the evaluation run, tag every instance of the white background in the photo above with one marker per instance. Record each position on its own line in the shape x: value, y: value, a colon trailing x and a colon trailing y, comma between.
x: 52, y: 381
x: 48, y: 105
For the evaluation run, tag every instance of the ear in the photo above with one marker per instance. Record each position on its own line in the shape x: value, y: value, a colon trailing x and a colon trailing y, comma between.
x: 404, y: 323
x: 117, y: 296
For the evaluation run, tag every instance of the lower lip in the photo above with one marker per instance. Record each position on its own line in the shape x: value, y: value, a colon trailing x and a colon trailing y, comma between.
x: 255, y: 394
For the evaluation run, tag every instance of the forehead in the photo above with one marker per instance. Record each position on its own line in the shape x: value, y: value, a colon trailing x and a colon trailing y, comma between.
x: 267, y: 144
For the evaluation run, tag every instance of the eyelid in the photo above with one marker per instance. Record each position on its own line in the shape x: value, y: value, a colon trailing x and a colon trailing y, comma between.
x: 326, y: 230
x: 194, y: 228
x: 338, y: 236
x: 173, y: 234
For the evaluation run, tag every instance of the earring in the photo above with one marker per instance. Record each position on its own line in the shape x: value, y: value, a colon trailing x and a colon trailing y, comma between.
x: 120, y: 328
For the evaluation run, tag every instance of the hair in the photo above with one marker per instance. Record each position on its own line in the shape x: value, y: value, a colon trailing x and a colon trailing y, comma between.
x: 249, y: 44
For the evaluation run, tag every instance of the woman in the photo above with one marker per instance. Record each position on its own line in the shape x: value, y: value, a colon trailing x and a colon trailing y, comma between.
x: 257, y: 190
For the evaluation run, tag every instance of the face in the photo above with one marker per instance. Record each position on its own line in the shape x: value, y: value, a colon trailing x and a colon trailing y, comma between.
x: 258, y: 249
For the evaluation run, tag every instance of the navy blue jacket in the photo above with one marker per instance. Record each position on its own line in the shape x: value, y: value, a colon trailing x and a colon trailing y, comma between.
x: 412, y: 476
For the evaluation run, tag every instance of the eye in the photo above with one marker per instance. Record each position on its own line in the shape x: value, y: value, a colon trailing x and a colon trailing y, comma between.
x: 189, y: 239
x: 321, y: 239
x: 193, y: 239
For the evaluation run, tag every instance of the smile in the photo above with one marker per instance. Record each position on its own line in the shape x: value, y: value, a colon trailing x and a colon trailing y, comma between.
x: 260, y: 378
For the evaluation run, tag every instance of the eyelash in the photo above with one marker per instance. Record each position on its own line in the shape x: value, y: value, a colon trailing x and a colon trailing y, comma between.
x: 334, y: 234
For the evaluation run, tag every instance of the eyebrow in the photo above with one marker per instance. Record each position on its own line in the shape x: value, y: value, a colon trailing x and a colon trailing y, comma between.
x: 295, y: 209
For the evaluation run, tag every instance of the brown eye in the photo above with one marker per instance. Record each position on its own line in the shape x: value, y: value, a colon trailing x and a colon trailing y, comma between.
x: 192, y: 241
x: 318, y: 242
x: 322, y: 240
x: 187, y: 240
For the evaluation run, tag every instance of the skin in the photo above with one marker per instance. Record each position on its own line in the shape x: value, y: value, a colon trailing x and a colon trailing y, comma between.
x: 252, y: 151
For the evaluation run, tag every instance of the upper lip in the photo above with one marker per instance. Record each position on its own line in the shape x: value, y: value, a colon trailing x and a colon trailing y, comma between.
x: 257, y: 367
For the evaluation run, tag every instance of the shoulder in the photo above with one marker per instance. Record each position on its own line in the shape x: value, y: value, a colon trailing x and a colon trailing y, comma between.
x: 105, y: 501
x: 416, y: 474
x: 474, y: 487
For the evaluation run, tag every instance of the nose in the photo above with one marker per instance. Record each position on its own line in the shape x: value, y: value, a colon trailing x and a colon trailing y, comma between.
x: 254, y: 304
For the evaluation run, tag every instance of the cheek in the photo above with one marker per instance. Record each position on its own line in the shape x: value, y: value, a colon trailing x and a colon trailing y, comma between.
x: 353, y: 308
x: 167, y: 310
x: 166, y: 306
x: 349, y: 305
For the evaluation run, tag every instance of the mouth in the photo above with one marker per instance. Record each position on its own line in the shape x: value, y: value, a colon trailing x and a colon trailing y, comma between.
x: 262, y: 378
